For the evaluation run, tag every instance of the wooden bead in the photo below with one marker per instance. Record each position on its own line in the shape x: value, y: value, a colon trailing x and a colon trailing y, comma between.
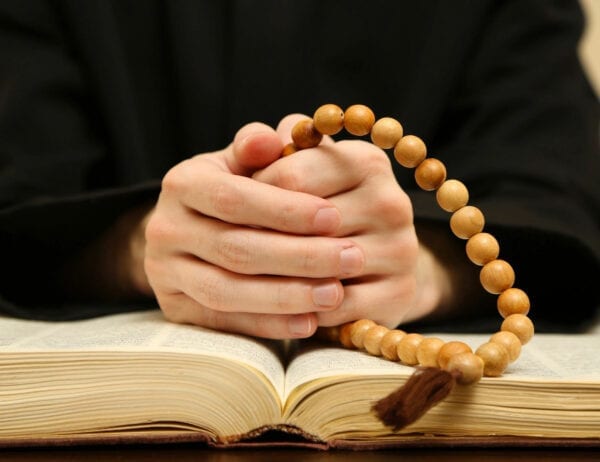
x: 389, y: 344
x: 466, y: 222
x: 497, y: 276
x: 407, y: 349
x: 386, y: 132
x: 288, y: 149
x: 509, y: 341
x: 482, y: 248
x: 520, y: 325
x: 329, y: 119
x: 513, y: 301
x: 452, y: 195
x: 427, y: 352
x: 359, y: 330
x: 430, y: 174
x: 345, y: 335
x: 469, y: 365
x: 358, y: 120
x: 372, y: 340
x: 305, y: 135
x: 495, y: 358
x: 410, y: 151
x: 450, y: 349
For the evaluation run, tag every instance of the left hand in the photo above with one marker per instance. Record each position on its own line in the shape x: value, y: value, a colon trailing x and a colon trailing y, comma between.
x: 400, y: 280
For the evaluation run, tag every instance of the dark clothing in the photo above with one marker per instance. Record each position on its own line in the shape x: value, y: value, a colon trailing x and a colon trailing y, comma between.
x: 98, y: 99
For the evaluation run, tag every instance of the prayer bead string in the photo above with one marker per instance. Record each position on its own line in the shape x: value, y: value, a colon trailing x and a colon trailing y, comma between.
x: 466, y: 222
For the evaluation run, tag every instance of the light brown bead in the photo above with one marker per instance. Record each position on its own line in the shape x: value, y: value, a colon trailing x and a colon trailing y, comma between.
x: 497, y: 276
x: 386, y: 132
x: 329, y: 119
x: 450, y: 349
x: 410, y: 151
x: 427, y: 352
x: 467, y: 221
x: 358, y: 120
x: 372, y: 340
x: 359, y: 330
x: 495, y: 358
x: 430, y: 174
x: 520, y: 325
x: 305, y: 135
x: 288, y: 149
x: 345, y: 335
x: 469, y: 365
x: 407, y: 349
x: 513, y: 301
x: 452, y: 195
x: 509, y: 341
x: 482, y: 248
x: 389, y: 344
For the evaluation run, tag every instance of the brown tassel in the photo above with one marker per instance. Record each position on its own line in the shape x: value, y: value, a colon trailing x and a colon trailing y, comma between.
x: 423, y: 390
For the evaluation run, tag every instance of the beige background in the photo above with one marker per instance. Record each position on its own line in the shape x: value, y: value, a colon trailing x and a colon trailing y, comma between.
x: 590, y: 44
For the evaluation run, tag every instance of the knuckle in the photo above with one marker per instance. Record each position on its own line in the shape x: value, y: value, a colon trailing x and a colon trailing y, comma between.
x: 234, y: 251
x: 403, y: 248
x: 171, y: 313
x: 409, y: 246
x: 213, y: 319
x: 159, y: 230
x: 290, y: 179
x: 212, y: 292
x: 262, y: 326
x: 311, y: 261
x: 287, y: 216
x: 152, y: 268
x: 285, y: 298
x: 171, y: 309
x: 174, y: 179
x: 394, y: 207
x: 372, y: 160
x: 160, y: 276
x: 377, y: 159
x: 227, y: 199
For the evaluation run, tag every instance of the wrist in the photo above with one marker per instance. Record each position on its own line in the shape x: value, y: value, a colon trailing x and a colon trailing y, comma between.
x: 433, y: 285
x: 130, y: 244
x: 447, y: 283
x: 112, y: 266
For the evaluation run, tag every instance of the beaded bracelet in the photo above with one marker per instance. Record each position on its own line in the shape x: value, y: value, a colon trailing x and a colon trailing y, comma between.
x: 441, y: 363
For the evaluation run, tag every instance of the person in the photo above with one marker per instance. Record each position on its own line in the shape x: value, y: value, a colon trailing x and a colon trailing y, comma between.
x: 140, y: 160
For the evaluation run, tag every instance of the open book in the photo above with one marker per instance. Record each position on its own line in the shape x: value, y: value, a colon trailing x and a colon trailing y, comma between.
x: 135, y: 377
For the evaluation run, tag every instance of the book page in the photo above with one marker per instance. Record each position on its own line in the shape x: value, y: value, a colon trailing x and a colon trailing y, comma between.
x: 548, y: 357
x: 141, y: 331
x: 551, y: 357
x: 557, y: 357
x: 319, y: 362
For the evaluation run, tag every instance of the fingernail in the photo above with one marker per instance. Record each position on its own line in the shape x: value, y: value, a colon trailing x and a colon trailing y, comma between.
x: 327, y: 220
x: 351, y: 260
x: 326, y: 294
x: 300, y: 326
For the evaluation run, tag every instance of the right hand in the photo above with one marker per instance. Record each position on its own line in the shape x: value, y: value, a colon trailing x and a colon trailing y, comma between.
x: 228, y: 252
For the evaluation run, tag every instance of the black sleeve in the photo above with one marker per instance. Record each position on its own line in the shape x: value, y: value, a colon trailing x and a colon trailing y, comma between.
x: 51, y: 149
x: 521, y: 130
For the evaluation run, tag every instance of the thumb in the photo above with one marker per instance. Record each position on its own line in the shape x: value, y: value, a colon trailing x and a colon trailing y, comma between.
x: 255, y: 146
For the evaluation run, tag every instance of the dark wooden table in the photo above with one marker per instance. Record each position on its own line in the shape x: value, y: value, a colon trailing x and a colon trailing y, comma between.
x: 194, y: 452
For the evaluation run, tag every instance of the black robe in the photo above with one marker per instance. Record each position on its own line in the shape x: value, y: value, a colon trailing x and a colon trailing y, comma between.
x: 98, y: 99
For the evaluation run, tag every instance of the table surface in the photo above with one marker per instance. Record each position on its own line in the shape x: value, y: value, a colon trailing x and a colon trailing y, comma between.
x: 194, y: 452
